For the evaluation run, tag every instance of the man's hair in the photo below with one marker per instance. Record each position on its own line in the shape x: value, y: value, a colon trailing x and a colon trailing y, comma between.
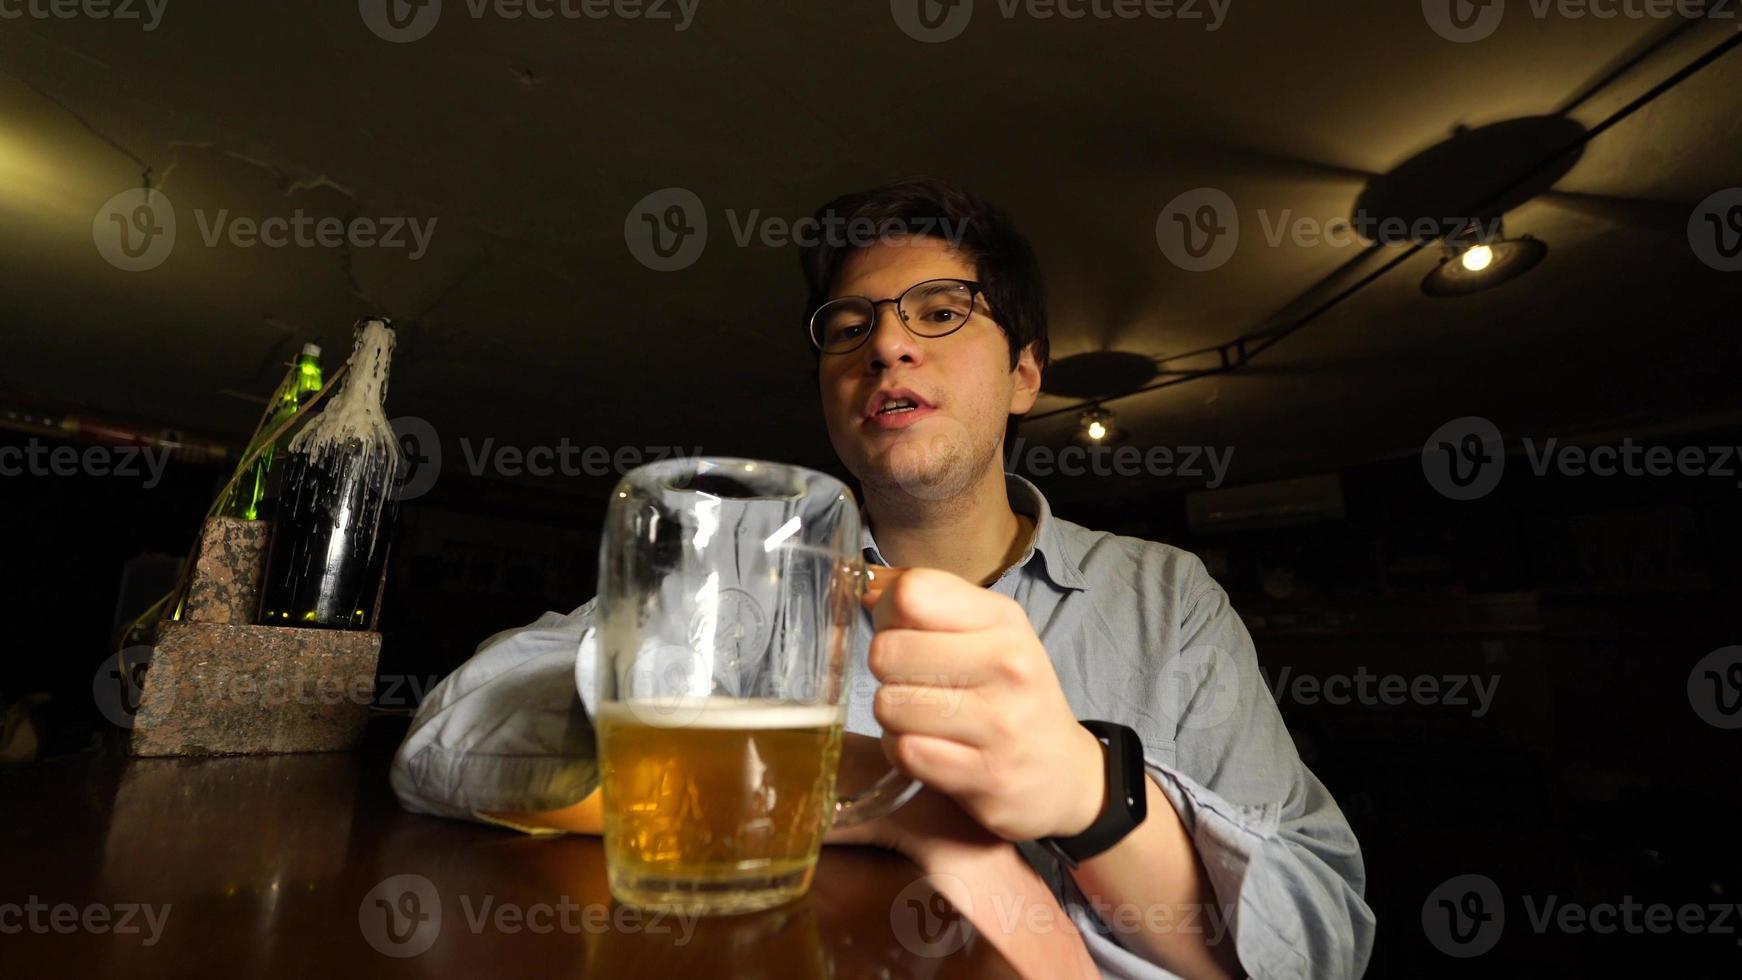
x: 1004, y: 262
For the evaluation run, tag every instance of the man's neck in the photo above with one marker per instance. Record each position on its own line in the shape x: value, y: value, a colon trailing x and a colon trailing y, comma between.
x: 973, y: 534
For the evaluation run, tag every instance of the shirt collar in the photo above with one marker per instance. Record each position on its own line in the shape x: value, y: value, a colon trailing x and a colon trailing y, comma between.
x: 1051, y: 541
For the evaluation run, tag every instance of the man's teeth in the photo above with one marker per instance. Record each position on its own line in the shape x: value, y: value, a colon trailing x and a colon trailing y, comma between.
x: 897, y: 405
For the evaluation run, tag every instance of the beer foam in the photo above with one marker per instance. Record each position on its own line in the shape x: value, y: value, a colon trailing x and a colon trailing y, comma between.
x: 721, y: 712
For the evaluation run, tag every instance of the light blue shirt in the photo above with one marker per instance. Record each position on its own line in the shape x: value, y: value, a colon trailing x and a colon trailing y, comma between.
x: 1139, y: 634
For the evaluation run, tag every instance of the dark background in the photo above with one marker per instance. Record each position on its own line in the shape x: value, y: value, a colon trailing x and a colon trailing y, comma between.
x: 1594, y: 778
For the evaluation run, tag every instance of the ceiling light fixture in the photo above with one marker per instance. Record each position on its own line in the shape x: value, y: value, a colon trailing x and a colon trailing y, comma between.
x: 1481, y: 257
x: 1476, y: 258
x: 1097, y: 426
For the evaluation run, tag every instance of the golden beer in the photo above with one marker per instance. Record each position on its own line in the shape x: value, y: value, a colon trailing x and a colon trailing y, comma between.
x: 715, y: 804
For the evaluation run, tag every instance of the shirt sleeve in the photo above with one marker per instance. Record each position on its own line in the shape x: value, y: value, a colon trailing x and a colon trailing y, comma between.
x: 508, y: 729
x: 1277, y: 849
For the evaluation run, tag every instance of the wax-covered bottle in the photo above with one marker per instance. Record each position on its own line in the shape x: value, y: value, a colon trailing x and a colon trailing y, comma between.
x: 335, y: 509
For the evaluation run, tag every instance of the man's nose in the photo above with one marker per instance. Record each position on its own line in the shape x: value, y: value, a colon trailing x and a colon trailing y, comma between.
x: 891, y: 342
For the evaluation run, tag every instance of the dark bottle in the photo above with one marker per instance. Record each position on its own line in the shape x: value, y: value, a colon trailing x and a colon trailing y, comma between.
x: 334, y: 510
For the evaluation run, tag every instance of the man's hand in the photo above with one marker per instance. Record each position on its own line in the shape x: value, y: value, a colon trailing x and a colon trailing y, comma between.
x: 925, y: 829
x: 971, y: 706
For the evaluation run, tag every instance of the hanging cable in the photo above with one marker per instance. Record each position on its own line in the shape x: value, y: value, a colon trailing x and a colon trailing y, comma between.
x: 1236, y: 353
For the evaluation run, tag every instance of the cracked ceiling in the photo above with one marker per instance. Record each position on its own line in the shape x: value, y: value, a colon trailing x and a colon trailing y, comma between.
x: 522, y: 145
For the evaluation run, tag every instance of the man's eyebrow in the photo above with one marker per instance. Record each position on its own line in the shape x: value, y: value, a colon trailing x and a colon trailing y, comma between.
x: 982, y: 305
x: 937, y: 284
x: 935, y: 287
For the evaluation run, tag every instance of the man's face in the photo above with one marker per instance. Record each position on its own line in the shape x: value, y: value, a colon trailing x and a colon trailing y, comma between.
x: 962, y: 385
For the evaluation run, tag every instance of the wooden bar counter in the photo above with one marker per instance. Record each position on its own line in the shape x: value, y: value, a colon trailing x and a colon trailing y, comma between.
x: 305, y: 866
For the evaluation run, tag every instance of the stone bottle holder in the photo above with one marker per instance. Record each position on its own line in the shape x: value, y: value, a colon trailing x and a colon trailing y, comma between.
x: 219, y: 685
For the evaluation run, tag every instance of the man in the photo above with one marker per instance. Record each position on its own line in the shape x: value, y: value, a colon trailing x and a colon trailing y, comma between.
x: 1224, y: 856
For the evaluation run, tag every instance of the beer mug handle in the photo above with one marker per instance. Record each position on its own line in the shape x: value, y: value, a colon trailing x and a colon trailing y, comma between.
x: 895, y: 788
x: 883, y: 798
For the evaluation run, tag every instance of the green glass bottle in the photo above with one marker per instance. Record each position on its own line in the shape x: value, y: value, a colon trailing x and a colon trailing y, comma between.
x: 304, y: 380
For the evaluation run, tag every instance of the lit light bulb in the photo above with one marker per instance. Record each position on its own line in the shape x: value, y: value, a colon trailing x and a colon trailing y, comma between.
x: 1096, y: 425
x: 1476, y: 258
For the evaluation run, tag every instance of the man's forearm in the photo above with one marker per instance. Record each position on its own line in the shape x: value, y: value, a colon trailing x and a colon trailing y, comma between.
x: 1152, y: 890
x: 1009, y: 905
x: 585, y: 817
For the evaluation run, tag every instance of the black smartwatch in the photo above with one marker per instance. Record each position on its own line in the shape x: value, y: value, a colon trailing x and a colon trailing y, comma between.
x: 1127, y: 801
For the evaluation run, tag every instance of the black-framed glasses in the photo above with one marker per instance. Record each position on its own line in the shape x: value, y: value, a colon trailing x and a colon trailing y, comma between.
x: 933, y: 308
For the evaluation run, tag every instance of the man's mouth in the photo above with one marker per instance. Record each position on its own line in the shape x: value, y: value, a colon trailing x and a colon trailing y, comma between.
x: 896, y: 408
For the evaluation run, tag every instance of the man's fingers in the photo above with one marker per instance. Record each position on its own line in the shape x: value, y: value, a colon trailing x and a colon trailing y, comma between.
x: 878, y: 578
x: 926, y: 598
x: 924, y: 657
x: 938, y: 711
x: 942, y: 764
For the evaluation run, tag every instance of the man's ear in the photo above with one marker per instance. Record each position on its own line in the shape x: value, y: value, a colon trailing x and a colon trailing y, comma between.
x: 1026, y: 374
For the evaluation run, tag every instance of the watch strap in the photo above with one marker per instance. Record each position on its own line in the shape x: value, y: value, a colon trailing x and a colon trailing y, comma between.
x: 1127, y: 800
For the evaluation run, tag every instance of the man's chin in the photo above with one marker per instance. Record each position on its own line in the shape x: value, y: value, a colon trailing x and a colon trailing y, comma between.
x: 928, y: 470
x: 918, y: 482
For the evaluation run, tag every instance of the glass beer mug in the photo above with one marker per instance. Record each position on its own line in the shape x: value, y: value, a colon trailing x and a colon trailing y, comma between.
x: 728, y: 592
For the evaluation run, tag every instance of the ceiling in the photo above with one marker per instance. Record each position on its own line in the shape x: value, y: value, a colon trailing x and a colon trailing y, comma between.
x: 528, y: 142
